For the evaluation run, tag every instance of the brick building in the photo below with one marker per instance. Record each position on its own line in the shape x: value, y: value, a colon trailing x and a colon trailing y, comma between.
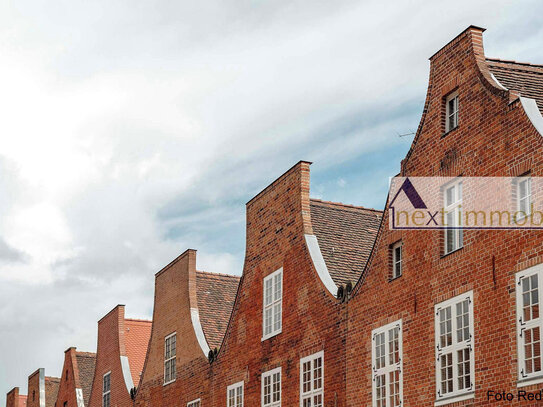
x: 42, y: 390
x: 336, y: 309
x: 76, y: 381
x: 190, y: 315
x: 286, y: 319
x: 14, y: 399
x: 446, y: 331
x: 122, y: 346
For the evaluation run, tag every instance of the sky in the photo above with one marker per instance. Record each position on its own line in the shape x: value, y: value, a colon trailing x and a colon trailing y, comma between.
x: 133, y: 130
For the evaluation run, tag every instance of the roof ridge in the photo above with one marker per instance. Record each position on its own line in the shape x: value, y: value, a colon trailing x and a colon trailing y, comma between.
x: 511, y: 61
x: 86, y: 354
x: 213, y: 274
x: 138, y: 320
x: 320, y: 201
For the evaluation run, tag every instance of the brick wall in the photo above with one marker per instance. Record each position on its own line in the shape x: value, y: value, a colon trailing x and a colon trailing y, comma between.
x: 175, y: 295
x: 14, y: 399
x: 313, y: 320
x: 110, y: 348
x: 494, y: 136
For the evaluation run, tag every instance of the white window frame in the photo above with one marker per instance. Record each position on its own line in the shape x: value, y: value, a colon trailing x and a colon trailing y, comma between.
x: 312, y: 392
x: 397, y: 263
x: 453, y: 349
x: 451, y: 113
x: 108, y: 392
x: 236, y: 388
x: 194, y: 403
x: 271, y: 373
x: 528, y: 209
x: 526, y: 379
x: 173, y: 376
x: 274, y: 305
x: 455, y: 208
x: 389, y: 366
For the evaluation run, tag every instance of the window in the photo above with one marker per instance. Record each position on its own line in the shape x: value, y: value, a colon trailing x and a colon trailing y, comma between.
x: 106, y: 390
x: 386, y: 358
x: 524, y: 197
x: 529, y: 325
x: 312, y: 380
x: 271, y: 388
x: 273, y: 298
x: 451, y: 103
x: 169, y: 358
x: 453, y: 217
x: 234, y: 395
x: 454, y: 349
x: 194, y: 403
x: 396, y: 259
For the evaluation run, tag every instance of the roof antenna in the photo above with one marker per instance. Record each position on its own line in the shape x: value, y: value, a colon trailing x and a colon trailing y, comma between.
x: 411, y: 133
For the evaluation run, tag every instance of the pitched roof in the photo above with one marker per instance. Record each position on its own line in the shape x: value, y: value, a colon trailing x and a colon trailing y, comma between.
x: 51, y: 390
x: 346, y: 235
x: 86, y: 362
x: 137, y: 334
x: 523, y: 78
x: 215, y: 294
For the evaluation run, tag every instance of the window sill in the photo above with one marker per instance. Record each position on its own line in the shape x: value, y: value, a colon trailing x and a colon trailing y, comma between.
x: 170, y: 382
x: 264, y: 338
x: 451, y: 252
x: 390, y: 280
x: 449, y: 132
x: 529, y: 381
x: 454, y: 399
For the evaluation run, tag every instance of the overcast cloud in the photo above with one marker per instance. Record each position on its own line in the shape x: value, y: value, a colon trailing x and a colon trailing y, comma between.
x: 132, y: 130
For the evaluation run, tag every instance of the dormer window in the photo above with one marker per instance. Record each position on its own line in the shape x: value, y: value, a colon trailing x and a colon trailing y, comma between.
x: 451, y: 107
x: 273, y: 304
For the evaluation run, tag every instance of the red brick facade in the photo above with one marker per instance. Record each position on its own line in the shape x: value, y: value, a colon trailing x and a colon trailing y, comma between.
x: 76, y: 380
x: 14, y: 399
x: 332, y: 264
x: 42, y: 390
x: 494, y: 137
x: 122, y: 345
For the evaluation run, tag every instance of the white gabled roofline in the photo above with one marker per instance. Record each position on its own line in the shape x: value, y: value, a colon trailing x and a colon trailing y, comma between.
x: 198, y: 330
x: 533, y: 113
x: 320, y: 265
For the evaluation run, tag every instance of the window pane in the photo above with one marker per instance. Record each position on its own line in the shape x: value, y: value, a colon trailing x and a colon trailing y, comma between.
x: 464, y: 380
x: 446, y: 373
x: 394, y: 388
x: 532, y: 350
x: 380, y: 350
x: 393, y: 346
x: 380, y: 390
x: 317, y: 373
x: 445, y: 327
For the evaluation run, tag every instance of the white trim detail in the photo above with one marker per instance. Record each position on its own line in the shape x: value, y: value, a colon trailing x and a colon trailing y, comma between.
x: 42, y: 387
x: 195, y: 318
x: 270, y: 374
x: 318, y: 261
x: 312, y: 393
x: 235, y: 387
x: 194, y: 403
x: 125, y: 366
x: 533, y: 113
x: 79, y: 397
x: 497, y: 81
